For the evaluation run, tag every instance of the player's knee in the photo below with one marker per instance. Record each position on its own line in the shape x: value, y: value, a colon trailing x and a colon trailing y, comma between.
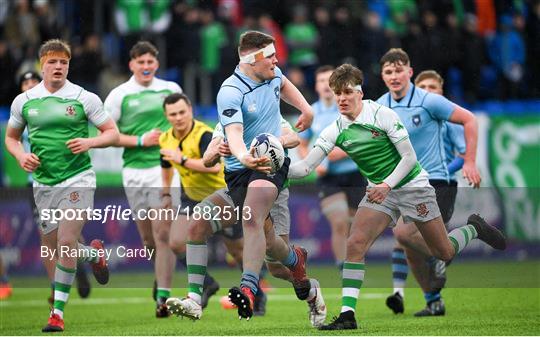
x: 197, y: 230
x: 340, y: 227
x: 178, y: 246
x: 66, y: 242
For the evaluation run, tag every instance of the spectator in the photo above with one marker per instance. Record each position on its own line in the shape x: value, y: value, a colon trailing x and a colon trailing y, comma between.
x: 507, y: 52
x: 302, y: 39
x: 327, y: 36
x: 472, y: 56
x: 270, y: 27
x: 86, y: 63
x: 21, y: 30
x: 8, y: 66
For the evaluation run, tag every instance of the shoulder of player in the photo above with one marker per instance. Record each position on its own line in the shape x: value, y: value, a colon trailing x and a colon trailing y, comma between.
x: 159, y: 84
x: 166, y: 136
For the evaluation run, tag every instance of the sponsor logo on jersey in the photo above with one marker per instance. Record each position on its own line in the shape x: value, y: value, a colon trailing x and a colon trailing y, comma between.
x: 74, y: 197
x: 70, y: 111
x: 33, y: 112
x: 229, y: 112
x: 422, y: 210
x: 416, y: 120
x: 134, y: 102
x: 347, y: 143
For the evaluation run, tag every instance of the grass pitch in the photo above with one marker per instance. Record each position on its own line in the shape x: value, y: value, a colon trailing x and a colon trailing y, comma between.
x: 500, y: 298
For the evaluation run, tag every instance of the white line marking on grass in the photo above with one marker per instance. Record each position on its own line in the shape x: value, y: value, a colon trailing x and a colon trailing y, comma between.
x: 139, y: 300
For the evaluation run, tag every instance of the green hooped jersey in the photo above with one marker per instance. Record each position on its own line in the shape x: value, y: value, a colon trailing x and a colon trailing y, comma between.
x: 137, y: 110
x: 52, y: 120
x: 369, y: 141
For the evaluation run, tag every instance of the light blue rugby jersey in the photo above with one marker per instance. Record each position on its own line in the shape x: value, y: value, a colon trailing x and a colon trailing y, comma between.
x: 454, y: 142
x: 255, y: 105
x: 424, y: 115
x: 324, y: 116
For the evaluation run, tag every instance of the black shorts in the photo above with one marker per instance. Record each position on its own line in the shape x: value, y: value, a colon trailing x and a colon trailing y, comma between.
x: 353, y: 184
x: 446, y: 197
x: 238, y: 181
x: 186, y: 202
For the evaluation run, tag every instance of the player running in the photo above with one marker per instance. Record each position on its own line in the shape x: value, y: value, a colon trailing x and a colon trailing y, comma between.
x: 375, y: 138
x: 341, y: 186
x: 137, y: 107
x: 425, y: 117
x: 248, y: 104
x: 56, y: 113
x: 276, y: 231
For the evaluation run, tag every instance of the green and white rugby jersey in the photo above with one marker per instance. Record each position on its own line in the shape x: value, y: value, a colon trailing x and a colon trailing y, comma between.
x: 369, y: 141
x: 138, y: 109
x: 52, y: 120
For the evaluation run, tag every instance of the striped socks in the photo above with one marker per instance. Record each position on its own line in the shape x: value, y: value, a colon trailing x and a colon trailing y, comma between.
x: 87, y: 254
x: 400, y: 270
x: 460, y: 237
x: 353, y: 277
x: 63, y: 279
x: 197, y: 260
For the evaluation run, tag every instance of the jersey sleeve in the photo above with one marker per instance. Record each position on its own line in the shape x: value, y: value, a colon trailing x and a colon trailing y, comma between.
x: 218, y: 132
x: 229, y: 105
x: 16, y: 119
x: 456, y: 133
x: 94, y: 108
x: 328, y: 137
x: 285, y: 124
x: 174, y: 87
x: 112, y: 105
x: 390, y: 123
x: 206, y: 138
x: 164, y: 163
x: 438, y: 106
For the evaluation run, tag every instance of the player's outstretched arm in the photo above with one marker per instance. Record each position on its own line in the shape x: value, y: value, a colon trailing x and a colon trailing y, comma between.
x: 292, y: 96
x: 470, y: 126
x: 27, y: 161
x: 108, y: 136
x: 305, y: 166
x: 167, y: 174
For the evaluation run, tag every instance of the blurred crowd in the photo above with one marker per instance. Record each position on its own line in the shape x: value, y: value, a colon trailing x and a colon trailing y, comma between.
x: 486, y: 49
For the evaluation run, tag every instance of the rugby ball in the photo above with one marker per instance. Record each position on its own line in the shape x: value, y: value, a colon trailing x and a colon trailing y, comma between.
x: 268, y: 145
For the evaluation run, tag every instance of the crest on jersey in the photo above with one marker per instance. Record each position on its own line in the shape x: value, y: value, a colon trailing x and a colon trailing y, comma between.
x: 416, y: 120
x: 276, y: 92
x: 252, y: 107
x: 74, y: 197
x: 422, y: 210
x: 70, y: 111
x: 375, y: 133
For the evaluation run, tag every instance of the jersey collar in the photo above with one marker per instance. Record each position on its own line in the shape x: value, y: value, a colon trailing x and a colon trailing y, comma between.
x: 247, y: 79
x: 405, y: 101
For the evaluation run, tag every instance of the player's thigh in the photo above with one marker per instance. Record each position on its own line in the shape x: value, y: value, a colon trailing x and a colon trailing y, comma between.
x: 335, y: 208
x: 179, y: 229
x: 367, y: 225
x: 403, y: 230
x: 260, y: 197
x: 280, y: 214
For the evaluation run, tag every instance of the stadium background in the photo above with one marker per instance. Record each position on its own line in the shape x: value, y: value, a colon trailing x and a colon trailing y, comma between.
x: 487, y: 51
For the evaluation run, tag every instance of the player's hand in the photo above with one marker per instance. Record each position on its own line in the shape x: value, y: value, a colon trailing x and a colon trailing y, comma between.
x: 172, y: 155
x: 166, y: 201
x: 151, y: 138
x: 376, y: 194
x: 304, y: 121
x: 471, y: 173
x: 321, y: 171
x: 79, y: 145
x: 258, y: 164
x: 29, y: 162
x: 224, y: 149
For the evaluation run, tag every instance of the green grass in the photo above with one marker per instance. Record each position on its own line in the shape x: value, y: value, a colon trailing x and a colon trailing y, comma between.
x: 125, y: 308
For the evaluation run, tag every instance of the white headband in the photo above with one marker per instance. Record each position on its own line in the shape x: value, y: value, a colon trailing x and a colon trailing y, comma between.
x: 259, y: 54
x: 356, y: 87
